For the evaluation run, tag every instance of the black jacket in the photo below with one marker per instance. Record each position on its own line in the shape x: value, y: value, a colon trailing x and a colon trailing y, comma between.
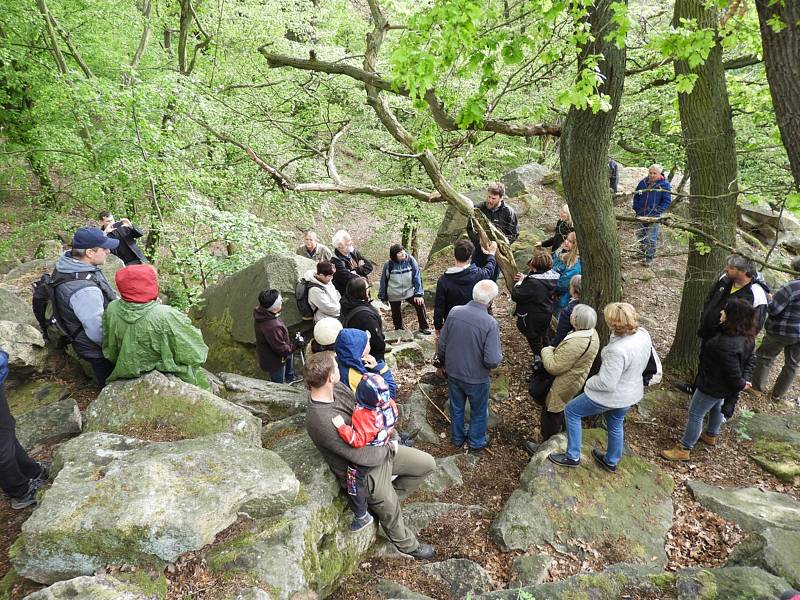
x: 503, y: 217
x: 454, y: 288
x: 726, y: 364
x: 534, y: 294
x: 347, y: 268
x: 562, y: 231
x: 128, y: 251
x: 360, y: 314
x: 273, y: 344
x: 718, y: 297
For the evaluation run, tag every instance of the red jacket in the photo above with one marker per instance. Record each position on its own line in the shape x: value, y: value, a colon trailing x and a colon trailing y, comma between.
x: 373, y: 426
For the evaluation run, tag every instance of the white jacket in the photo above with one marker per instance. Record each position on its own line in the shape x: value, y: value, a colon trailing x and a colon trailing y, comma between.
x: 324, y: 300
x: 619, y: 382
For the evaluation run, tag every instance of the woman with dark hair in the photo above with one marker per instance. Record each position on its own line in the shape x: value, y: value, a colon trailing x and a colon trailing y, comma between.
x: 401, y: 281
x: 726, y: 365
x: 533, y: 294
x: 358, y: 313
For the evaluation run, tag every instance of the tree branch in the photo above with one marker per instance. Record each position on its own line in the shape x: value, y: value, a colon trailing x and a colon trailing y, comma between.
x: 330, y: 160
x: 145, y: 37
x: 73, y: 50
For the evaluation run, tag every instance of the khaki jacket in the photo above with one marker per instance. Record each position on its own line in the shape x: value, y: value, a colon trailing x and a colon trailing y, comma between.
x: 569, y: 367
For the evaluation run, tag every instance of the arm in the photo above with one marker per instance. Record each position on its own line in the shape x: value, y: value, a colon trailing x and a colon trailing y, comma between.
x: 384, y: 281
x: 665, y: 197
x: 134, y: 232
x: 730, y: 363
x: 761, y: 316
x: 492, y: 353
x: 320, y: 299
x: 364, y: 269
x: 780, y: 300
x: 110, y: 342
x: 87, y: 304
x: 362, y: 430
x: 386, y: 373
x: 513, y: 226
x: 438, y: 306
x: 488, y: 270
x: 637, y: 198
x: 186, y: 340
x: 560, y: 360
x: 376, y: 340
x: 325, y: 253
x: 279, y: 341
x: 416, y: 275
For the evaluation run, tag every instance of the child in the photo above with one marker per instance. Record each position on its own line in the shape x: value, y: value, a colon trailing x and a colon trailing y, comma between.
x: 373, y: 423
x: 563, y: 228
x: 354, y: 359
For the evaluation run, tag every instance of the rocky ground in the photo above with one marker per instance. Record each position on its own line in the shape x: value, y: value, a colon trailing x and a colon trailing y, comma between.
x: 498, y: 519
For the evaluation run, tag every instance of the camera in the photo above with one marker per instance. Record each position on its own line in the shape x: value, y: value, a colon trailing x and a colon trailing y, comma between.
x: 299, y: 340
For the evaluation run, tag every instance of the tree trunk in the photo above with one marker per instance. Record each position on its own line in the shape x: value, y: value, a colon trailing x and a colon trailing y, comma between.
x: 711, y: 161
x: 584, y: 171
x: 782, y: 61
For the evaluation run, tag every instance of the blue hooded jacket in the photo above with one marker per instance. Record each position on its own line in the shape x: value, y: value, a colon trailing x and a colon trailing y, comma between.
x: 3, y: 366
x: 350, y: 344
x: 652, y: 203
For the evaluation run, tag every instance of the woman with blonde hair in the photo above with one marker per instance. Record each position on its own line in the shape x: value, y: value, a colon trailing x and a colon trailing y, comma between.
x: 563, y: 228
x: 616, y: 387
x: 567, y: 263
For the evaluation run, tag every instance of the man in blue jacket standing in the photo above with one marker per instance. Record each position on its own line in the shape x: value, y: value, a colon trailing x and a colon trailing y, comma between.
x: 469, y: 347
x: 651, y: 198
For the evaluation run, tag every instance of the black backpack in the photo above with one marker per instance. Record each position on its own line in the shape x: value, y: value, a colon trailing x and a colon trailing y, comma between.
x: 301, y: 297
x: 44, y: 297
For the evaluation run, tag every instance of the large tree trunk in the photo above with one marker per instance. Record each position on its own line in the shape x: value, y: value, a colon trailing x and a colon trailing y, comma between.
x: 711, y: 162
x: 584, y: 171
x: 782, y: 60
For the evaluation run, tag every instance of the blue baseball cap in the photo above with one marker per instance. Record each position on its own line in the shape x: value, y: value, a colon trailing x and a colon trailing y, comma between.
x: 92, y: 237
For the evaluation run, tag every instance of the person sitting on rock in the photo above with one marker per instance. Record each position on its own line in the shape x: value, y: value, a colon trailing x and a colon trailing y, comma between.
x: 401, y: 281
x: 359, y: 313
x: 20, y: 475
x: 392, y: 468
x: 354, y: 359
x: 564, y: 325
x: 562, y: 230
x: 533, y: 294
x: 124, y: 232
x: 323, y: 297
x: 567, y: 262
x: 372, y: 424
x: 348, y: 261
x: 312, y: 249
x: 142, y: 335
x: 273, y: 345
x: 726, y: 365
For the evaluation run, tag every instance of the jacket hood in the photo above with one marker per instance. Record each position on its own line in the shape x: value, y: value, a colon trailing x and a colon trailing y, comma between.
x: 350, y: 344
x: 261, y: 314
x: 67, y: 264
x: 547, y: 275
x: 137, y: 283
x: 459, y: 273
x: 309, y: 276
x: 130, y: 312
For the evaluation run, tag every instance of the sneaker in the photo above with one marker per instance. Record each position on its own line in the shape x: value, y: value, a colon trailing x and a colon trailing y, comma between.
x: 360, y: 522
x: 600, y: 457
x: 708, y: 440
x: 29, y: 499
x: 531, y: 447
x: 423, y: 552
x: 676, y: 453
x: 406, y: 440
x: 563, y: 460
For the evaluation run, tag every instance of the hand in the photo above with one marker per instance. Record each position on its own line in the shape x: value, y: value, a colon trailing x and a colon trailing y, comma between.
x: 393, y: 445
x: 747, y: 386
x: 126, y: 222
x: 369, y: 361
x: 519, y: 277
x: 338, y: 421
x: 361, y: 263
x: 109, y: 228
x: 537, y: 245
x: 418, y: 300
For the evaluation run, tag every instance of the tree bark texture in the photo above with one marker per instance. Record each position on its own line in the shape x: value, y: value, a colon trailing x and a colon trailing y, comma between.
x: 782, y: 60
x: 711, y: 163
x: 584, y: 171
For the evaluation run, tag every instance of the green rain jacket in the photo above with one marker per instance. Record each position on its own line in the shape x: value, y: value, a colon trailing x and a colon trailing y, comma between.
x: 144, y: 337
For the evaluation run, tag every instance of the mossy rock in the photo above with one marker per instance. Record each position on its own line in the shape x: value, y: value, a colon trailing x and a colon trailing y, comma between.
x: 14, y: 308
x: 628, y: 512
x: 776, y: 445
x: 267, y: 400
x: 99, y: 587
x: 33, y: 395
x: 773, y: 550
x: 164, y: 401
x: 742, y: 583
x: 49, y: 423
x: 751, y: 508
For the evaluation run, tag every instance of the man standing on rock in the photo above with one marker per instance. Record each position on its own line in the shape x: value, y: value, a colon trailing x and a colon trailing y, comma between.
x: 313, y: 249
x: 348, y: 261
x: 20, y: 476
x: 81, y: 293
x: 651, y: 198
x: 499, y: 214
x: 469, y: 347
x: 392, y: 468
x: 123, y: 231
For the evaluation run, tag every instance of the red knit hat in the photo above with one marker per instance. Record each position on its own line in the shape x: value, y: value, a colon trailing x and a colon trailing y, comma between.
x: 137, y: 283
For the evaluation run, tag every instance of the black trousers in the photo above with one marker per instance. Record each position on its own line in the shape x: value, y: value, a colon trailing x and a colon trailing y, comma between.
x: 551, y: 423
x: 534, y: 327
x: 16, y: 467
x: 101, y: 367
x: 397, y: 313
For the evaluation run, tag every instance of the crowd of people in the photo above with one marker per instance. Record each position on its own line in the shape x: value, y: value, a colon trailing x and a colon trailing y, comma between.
x: 353, y: 412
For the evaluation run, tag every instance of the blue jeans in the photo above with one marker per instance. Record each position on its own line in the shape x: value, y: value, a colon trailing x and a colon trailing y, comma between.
x: 701, y: 405
x: 647, y: 234
x: 285, y: 372
x: 478, y: 395
x: 582, y: 406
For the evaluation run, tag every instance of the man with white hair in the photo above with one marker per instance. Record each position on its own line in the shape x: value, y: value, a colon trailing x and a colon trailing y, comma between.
x: 312, y: 249
x: 651, y: 198
x: 348, y: 261
x: 469, y: 348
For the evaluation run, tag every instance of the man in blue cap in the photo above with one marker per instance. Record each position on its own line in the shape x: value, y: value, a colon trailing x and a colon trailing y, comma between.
x: 81, y: 293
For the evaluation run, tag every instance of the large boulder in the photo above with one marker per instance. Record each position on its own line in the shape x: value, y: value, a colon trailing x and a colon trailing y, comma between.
x: 307, y: 549
x: 25, y: 346
x: 774, y: 550
x: 14, y: 308
x: 156, y: 401
x: 226, y: 312
x: 524, y: 180
x: 572, y: 509
x: 49, y: 423
x: 767, y: 223
x: 267, y: 400
x: 100, y: 587
x: 119, y: 500
x: 453, y: 224
x: 750, y: 508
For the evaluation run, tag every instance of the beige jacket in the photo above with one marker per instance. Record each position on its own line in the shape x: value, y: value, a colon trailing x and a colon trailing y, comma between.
x: 570, y: 365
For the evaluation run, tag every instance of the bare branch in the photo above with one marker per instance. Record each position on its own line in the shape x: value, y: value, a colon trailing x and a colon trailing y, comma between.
x: 330, y: 161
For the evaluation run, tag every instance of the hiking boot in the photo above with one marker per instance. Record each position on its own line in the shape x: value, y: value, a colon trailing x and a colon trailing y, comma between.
x: 562, y: 460
x: 29, y: 499
x: 45, y: 466
x: 531, y: 447
x: 600, y: 457
x: 423, y: 552
x: 360, y: 522
x: 708, y: 440
x: 424, y: 331
x: 676, y: 453
x: 406, y: 440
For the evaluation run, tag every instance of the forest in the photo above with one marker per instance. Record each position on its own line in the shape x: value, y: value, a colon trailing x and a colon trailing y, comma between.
x: 226, y: 129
